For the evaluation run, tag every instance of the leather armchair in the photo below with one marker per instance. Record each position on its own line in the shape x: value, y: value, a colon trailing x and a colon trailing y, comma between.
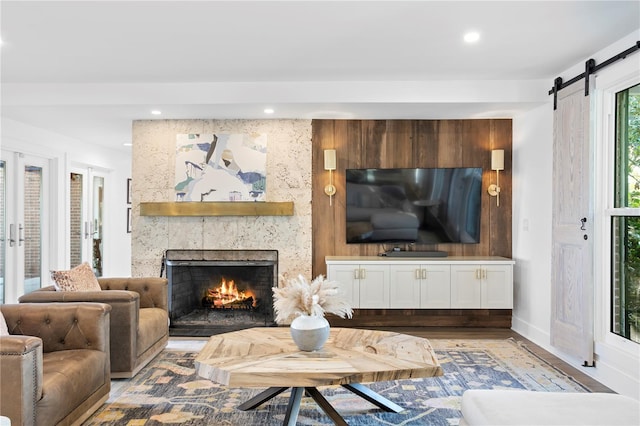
x: 139, y: 317
x: 55, y: 364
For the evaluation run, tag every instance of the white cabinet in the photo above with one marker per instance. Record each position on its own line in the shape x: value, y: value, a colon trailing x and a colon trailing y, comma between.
x: 350, y: 285
x: 374, y: 286
x: 497, y: 287
x: 444, y: 283
x: 405, y: 290
x: 435, y: 287
x: 365, y: 286
x: 485, y: 286
x: 420, y: 286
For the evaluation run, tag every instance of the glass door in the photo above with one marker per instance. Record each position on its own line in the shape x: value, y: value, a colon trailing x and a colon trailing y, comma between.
x: 97, y: 210
x: 77, y: 212
x: 3, y: 224
x: 30, y: 233
x: 23, y: 203
x: 86, y: 214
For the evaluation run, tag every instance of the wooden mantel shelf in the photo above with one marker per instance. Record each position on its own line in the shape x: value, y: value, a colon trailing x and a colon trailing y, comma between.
x: 218, y: 208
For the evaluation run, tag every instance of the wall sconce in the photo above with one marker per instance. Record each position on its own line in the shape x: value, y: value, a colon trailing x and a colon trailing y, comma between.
x: 330, y: 164
x: 497, y: 164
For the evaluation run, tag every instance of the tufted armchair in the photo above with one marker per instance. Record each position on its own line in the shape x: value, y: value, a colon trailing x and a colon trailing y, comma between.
x: 54, y: 364
x: 139, y: 317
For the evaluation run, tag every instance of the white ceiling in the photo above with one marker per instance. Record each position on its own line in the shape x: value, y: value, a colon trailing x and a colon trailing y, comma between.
x: 86, y: 69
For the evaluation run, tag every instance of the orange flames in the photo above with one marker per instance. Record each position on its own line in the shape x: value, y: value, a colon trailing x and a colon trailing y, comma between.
x: 228, y: 294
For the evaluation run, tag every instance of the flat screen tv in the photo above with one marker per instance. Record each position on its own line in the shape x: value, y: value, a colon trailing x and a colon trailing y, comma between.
x: 423, y: 206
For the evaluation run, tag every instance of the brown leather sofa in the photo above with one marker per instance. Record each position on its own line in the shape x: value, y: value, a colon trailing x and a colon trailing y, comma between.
x: 139, y: 317
x: 54, y: 364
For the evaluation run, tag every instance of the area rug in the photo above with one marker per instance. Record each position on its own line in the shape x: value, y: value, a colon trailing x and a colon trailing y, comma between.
x: 168, y: 391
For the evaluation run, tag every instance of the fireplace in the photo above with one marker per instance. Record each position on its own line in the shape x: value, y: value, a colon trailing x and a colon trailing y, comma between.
x: 216, y: 291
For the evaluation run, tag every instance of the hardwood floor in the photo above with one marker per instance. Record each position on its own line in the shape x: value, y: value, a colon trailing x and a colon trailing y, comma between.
x: 503, y: 333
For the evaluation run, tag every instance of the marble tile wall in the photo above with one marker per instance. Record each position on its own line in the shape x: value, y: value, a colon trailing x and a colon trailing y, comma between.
x: 288, y: 179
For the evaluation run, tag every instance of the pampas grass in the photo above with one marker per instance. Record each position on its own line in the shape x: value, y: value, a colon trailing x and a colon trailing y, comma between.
x: 297, y: 296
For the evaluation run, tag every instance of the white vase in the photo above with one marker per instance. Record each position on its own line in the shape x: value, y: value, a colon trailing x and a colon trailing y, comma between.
x: 309, y: 332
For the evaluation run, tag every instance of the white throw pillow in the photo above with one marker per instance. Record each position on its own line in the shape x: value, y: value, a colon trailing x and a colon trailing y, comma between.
x: 4, y: 331
x: 80, y: 278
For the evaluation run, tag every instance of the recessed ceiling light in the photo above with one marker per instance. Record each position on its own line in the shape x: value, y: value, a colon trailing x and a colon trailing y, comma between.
x: 156, y: 112
x: 472, y: 37
x: 269, y: 111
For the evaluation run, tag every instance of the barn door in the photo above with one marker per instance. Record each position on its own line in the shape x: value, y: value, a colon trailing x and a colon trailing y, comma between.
x: 572, y: 227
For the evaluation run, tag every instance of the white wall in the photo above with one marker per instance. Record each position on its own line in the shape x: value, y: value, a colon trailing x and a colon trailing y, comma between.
x: 64, y: 153
x: 617, y: 363
x: 532, y: 170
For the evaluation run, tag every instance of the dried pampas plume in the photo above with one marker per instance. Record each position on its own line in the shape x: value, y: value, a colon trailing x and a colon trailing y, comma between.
x: 297, y: 296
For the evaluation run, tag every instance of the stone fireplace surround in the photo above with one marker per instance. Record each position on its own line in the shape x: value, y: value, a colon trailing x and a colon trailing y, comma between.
x: 191, y: 272
x: 288, y: 180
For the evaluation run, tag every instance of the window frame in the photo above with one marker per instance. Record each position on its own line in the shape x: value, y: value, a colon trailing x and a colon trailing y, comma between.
x: 607, y: 88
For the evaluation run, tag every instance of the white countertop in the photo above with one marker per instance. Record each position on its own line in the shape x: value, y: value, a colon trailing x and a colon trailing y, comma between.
x: 444, y: 260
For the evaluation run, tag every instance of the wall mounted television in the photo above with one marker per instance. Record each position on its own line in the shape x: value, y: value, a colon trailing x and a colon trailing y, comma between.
x: 413, y: 205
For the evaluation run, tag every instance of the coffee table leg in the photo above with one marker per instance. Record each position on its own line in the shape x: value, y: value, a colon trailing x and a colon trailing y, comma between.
x: 326, y: 407
x: 293, y: 408
x: 374, y: 398
x: 261, y: 398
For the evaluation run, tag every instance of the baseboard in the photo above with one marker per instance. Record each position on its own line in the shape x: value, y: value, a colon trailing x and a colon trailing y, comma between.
x: 535, y: 334
x: 613, y: 368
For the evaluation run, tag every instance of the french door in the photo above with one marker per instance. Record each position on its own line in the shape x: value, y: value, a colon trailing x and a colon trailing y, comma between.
x: 24, y: 239
x: 86, y: 218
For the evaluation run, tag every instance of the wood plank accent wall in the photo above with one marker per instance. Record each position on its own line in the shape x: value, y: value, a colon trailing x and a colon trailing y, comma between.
x: 409, y: 143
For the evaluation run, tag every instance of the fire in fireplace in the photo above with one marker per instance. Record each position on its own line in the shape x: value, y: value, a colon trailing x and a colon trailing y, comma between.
x: 228, y: 296
x: 215, y: 291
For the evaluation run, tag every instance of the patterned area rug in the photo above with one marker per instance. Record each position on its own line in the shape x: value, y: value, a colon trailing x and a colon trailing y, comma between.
x: 168, y: 391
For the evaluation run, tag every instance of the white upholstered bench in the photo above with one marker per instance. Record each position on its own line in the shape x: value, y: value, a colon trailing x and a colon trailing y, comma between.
x: 515, y: 407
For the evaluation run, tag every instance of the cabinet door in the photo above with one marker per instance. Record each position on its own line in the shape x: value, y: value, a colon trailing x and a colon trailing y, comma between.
x: 404, y: 286
x: 497, y: 287
x: 465, y: 286
x: 435, y: 286
x: 374, y: 287
x: 346, y: 276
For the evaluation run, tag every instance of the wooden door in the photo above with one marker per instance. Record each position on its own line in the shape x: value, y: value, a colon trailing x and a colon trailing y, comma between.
x: 572, y: 222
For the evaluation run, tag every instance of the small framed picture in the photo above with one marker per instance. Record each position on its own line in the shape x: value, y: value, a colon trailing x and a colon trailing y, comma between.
x: 128, y: 220
x: 129, y: 191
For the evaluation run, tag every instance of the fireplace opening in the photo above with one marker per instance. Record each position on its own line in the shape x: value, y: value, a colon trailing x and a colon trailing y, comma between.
x: 219, y: 291
x: 229, y: 296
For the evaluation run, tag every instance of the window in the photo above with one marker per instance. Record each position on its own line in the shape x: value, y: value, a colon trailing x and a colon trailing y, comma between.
x: 625, y: 220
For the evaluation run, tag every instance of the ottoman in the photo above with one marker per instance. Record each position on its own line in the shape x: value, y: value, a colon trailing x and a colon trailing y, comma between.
x: 515, y: 407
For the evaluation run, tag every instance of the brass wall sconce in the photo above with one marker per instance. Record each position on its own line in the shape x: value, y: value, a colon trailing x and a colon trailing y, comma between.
x: 497, y: 164
x: 330, y: 164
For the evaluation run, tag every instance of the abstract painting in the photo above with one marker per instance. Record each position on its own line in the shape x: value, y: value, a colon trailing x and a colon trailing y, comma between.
x: 221, y: 167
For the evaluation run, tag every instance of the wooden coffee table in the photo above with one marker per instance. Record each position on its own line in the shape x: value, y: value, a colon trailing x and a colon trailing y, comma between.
x: 267, y: 357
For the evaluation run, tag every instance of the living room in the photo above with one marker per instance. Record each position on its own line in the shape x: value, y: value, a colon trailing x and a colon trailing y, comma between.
x: 522, y: 229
